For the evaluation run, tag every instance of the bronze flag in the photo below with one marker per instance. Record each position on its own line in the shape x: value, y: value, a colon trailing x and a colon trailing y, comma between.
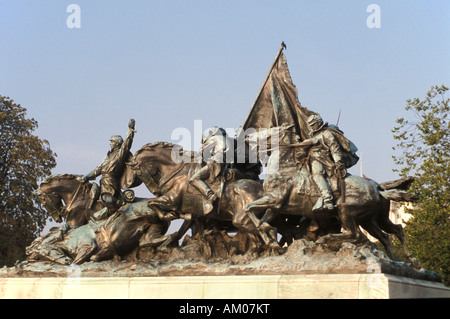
x: 277, y: 102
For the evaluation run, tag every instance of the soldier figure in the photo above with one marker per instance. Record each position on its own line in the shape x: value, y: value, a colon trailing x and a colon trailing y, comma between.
x: 112, y: 169
x: 218, y: 153
x: 330, y: 153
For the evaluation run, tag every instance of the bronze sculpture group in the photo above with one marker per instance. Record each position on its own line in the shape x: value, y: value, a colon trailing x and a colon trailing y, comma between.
x: 307, y: 184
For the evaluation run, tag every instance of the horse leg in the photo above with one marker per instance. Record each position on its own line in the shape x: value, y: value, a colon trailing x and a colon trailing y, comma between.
x: 258, y: 205
x: 158, y: 201
x: 262, y: 204
x: 175, y: 237
x: 351, y: 232
x: 266, y: 222
x: 269, y: 216
x: 374, y: 230
x: 165, y: 201
x: 84, y: 253
x: 348, y: 223
x: 154, y: 236
x: 250, y: 227
x: 391, y: 228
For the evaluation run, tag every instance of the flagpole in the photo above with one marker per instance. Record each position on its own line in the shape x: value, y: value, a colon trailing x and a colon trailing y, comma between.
x: 283, y: 46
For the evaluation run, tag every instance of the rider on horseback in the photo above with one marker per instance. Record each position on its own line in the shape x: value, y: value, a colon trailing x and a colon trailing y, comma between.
x: 330, y: 153
x: 218, y: 153
x: 112, y: 169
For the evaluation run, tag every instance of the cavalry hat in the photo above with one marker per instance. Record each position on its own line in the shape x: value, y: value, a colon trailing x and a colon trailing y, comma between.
x: 116, y: 138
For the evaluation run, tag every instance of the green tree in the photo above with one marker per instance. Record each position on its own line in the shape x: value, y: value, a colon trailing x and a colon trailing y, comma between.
x: 24, y: 161
x: 424, y: 145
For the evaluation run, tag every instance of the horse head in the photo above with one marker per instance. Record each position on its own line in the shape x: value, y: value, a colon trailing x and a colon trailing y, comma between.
x: 155, y: 161
x: 55, y: 191
x: 52, y: 203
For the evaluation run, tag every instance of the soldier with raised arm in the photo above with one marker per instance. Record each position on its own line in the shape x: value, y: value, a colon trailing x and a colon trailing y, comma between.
x: 112, y: 168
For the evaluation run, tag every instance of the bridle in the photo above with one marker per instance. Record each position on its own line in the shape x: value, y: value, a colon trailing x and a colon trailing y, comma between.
x: 48, y: 200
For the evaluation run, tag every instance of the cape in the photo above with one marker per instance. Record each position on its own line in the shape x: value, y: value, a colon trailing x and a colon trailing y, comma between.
x: 348, y: 148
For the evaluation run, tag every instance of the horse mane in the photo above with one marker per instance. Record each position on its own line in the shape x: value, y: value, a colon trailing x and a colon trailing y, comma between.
x: 166, y: 146
x: 163, y: 145
x: 53, y: 177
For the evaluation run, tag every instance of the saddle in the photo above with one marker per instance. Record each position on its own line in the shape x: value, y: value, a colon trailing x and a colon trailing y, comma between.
x: 127, y: 196
x: 306, y: 186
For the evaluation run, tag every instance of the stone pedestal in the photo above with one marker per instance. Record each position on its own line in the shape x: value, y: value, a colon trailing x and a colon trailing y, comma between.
x: 305, y: 270
x: 313, y: 286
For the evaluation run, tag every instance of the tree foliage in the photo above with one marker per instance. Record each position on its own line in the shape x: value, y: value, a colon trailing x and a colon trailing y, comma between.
x: 24, y: 161
x: 424, y: 145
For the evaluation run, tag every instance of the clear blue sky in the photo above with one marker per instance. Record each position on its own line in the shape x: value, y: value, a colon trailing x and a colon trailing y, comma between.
x: 169, y: 63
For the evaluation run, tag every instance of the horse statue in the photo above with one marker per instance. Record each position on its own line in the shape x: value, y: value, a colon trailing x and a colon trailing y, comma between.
x: 288, y: 189
x: 166, y: 168
x: 131, y: 226
x: 66, y: 197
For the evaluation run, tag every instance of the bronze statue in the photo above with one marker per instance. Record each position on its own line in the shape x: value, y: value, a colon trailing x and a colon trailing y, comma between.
x: 112, y: 168
x: 288, y: 191
x: 218, y: 154
x: 330, y: 155
x: 132, y: 226
x: 289, y: 187
x: 56, y: 190
x: 307, y: 187
x: 169, y: 181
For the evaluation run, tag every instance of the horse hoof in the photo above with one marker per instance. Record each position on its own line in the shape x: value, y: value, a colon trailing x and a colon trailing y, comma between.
x: 96, y: 258
x: 162, y: 249
x: 274, y: 246
x: 275, y: 249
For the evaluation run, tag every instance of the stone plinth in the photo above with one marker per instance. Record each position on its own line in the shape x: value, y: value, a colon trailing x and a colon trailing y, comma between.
x: 305, y: 270
x: 317, y: 286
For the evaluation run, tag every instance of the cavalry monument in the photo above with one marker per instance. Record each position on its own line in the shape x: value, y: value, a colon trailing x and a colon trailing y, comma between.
x: 294, y: 232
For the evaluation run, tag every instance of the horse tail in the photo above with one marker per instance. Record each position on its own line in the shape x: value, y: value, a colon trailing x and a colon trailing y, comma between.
x: 403, y: 183
x: 398, y: 195
x: 396, y: 190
